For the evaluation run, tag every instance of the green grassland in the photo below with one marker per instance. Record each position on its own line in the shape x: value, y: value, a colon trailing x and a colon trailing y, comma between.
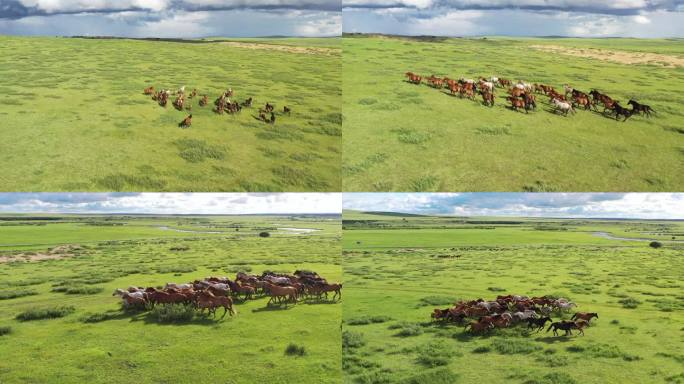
x: 398, y: 268
x: 403, y: 137
x: 75, y: 119
x: 133, y: 347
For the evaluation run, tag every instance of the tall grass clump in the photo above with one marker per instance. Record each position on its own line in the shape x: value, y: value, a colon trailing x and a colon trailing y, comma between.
x: 45, y: 313
x: 172, y: 313
x: 6, y: 295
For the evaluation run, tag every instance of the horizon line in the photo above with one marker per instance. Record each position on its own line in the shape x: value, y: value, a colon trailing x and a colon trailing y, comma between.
x: 509, y: 216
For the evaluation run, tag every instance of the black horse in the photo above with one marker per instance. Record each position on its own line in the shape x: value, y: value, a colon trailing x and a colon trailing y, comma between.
x: 537, y: 323
x: 641, y: 108
x: 566, y: 326
x: 620, y: 110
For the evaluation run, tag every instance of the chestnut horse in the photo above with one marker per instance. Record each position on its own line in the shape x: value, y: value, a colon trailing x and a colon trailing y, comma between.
x: 206, y: 300
x: 279, y: 293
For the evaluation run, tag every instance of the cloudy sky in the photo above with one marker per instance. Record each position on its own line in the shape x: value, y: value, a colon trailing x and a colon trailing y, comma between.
x: 171, y: 203
x: 580, y: 18
x: 171, y: 18
x: 605, y: 205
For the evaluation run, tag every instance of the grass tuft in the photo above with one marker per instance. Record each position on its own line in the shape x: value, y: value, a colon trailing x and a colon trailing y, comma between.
x: 45, y: 313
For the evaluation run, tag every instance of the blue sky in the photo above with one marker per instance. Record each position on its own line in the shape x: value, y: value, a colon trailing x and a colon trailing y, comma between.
x: 580, y: 18
x: 171, y: 18
x: 613, y: 205
x: 171, y: 203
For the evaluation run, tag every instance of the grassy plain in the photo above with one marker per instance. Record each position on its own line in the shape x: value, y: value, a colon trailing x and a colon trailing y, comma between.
x: 75, y: 119
x: 398, y: 268
x: 133, y: 347
x: 403, y: 137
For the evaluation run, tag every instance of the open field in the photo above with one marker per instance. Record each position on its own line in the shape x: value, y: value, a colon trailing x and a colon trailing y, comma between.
x: 398, y: 268
x: 404, y: 137
x: 100, y: 343
x: 76, y: 119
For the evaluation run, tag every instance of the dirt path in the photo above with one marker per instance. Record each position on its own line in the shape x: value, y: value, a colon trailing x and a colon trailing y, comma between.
x: 285, y: 48
x: 622, y: 57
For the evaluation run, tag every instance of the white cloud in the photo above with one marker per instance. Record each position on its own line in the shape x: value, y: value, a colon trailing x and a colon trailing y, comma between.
x: 641, y: 19
x: 630, y: 205
x: 173, y: 203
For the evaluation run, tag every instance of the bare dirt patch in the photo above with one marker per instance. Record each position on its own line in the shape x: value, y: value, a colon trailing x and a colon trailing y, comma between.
x: 622, y: 57
x: 58, y: 252
x: 284, y: 48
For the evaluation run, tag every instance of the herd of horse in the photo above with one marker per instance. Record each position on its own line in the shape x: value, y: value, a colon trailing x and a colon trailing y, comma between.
x: 481, y: 316
x: 522, y: 95
x: 213, y: 293
x: 223, y: 104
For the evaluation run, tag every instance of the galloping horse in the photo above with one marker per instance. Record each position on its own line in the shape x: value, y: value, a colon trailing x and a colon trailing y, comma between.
x: 641, y: 108
x: 537, y: 323
x: 584, y: 316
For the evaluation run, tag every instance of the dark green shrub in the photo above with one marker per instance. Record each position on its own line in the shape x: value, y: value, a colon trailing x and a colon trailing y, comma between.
x: 295, y: 350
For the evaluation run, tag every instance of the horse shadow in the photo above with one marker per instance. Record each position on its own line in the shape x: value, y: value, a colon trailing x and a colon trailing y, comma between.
x: 318, y: 301
x: 273, y: 307
x: 554, y: 339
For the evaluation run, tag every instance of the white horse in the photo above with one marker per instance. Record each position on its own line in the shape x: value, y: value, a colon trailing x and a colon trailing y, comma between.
x: 494, y: 79
x: 487, y: 84
x: 524, y: 315
x: 177, y: 286
x: 563, y: 106
x: 565, y: 306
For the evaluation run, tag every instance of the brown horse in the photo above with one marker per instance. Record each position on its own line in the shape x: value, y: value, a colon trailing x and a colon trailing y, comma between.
x: 278, y: 293
x: 488, y: 98
x: 480, y: 326
x: 517, y: 103
x: 206, y: 300
x: 582, y: 101
x: 516, y: 92
x: 178, y: 103
x: 149, y: 90
x: 163, y: 99
x: 337, y: 288
x: 161, y: 297
x: 584, y: 316
x: 580, y: 325
x: 204, y: 101
x: 287, y: 110
x: 186, y: 123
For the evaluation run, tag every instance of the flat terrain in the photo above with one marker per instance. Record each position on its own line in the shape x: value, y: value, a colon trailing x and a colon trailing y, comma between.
x: 399, y: 268
x: 98, y: 254
x: 404, y: 137
x: 75, y: 117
